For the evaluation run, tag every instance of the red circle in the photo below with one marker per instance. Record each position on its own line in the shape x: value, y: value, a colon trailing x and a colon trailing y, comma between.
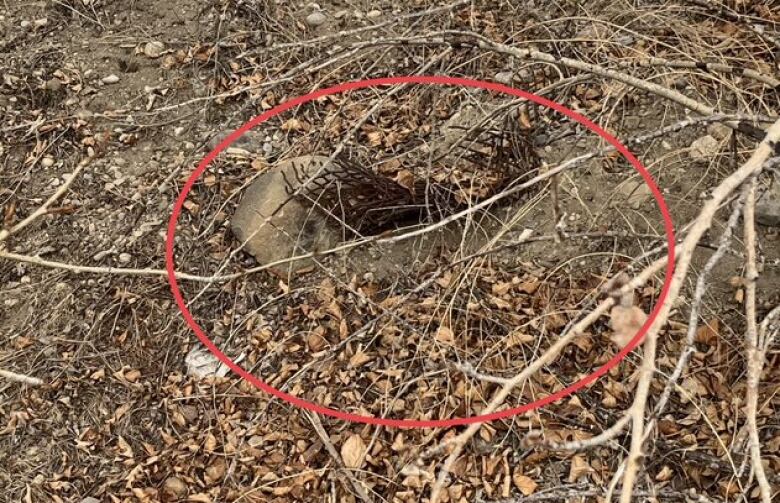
x: 439, y: 80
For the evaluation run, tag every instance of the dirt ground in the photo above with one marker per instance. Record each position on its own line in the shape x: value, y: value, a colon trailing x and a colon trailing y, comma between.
x: 428, y: 328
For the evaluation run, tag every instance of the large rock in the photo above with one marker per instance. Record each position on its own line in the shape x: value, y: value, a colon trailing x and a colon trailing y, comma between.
x: 293, y: 230
x: 768, y: 206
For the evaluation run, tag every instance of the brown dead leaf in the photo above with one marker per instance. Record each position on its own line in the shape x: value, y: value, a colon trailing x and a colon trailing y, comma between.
x: 665, y: 474
x: 352, y: 451
x: 215, y: 471
x: 709, y: 332
x: 359, y: 359
x: 524, y: 119
x: 124, y: 448
x: 405, y: 179
x: 444, y: 335
x: 525, y: 484
x: 316, y: 342
x: 374, y: 138
x: 200, y: 498
x: 579, y: 467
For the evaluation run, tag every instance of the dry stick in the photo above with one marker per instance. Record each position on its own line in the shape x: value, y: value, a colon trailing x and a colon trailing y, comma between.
x: 595, y: 441
x: 753, y: 166
x: 698, y: 298
x: 13, y: 376
x: 317, y: 424
x: 755, y: 356
x: 455, y: 37
x: 682, y: 361
x: 557, y: 219
x: 36, y: 260
x: 701, y: 65
x: 6, y: 233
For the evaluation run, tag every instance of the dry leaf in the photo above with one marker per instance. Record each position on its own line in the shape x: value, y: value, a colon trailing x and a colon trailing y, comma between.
x: 405, y: 179
x: 215, y: 471
x: 445, y: 335
x: 708, y: 333
x: 579, y: 467
x: 665, y: 474
x: 374, y: 138
x: 124, y: 448
x: 525, y: 484
x: 200, y: 498
x: 316, y: 342
x: 352, y: 451
x: 359, y: 359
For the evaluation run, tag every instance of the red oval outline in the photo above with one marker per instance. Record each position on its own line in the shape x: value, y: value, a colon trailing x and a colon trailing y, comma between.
x: 423, y: 79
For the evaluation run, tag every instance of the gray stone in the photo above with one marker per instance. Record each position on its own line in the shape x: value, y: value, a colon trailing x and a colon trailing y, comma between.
x: 768, y: 205
x: 250, y: 141
x: 704, y: 148
x: 154, y: 49
x: 295, y: 229
x: 635, y: 193
x: 504, y: 78
x: 316, y: 19
x: 719, y: 131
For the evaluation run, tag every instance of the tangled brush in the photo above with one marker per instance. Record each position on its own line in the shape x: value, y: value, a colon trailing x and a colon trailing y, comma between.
x: 367, y: 200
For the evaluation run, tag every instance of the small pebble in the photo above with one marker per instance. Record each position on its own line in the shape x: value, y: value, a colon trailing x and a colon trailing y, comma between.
x: 125, y: 258
x: 53, y: 85
x: 316, y: 19
x: 25, y: 24
x: 373, y: 14
x: 177, y: 131
x: 154, y: 49
x: 340, y: 14
x: 39, y: 23
x: 504, y: 77
x: 110, y: 79
x: 47, y: 162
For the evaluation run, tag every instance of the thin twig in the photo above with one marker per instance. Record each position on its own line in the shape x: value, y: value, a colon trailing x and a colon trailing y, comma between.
x: 25, y: 379
x: 755, y: 356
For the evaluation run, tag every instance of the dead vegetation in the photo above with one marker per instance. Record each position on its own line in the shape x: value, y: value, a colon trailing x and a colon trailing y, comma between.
x: 491, y: 252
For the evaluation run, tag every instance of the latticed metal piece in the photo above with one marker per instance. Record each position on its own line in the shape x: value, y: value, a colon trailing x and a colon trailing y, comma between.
x: 482, y: 164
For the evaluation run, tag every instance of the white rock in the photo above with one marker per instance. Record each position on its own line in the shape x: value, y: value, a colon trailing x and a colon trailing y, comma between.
x: 125, y: 258
x: 110, y: 79
x: 25, y: 24
x: 316, y: 19
x: 47, y: 162
x: 39, y: 23
x: 704, y: 148
x: 154, y: 49
x: 504, y: 77
x: 373, y: 14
